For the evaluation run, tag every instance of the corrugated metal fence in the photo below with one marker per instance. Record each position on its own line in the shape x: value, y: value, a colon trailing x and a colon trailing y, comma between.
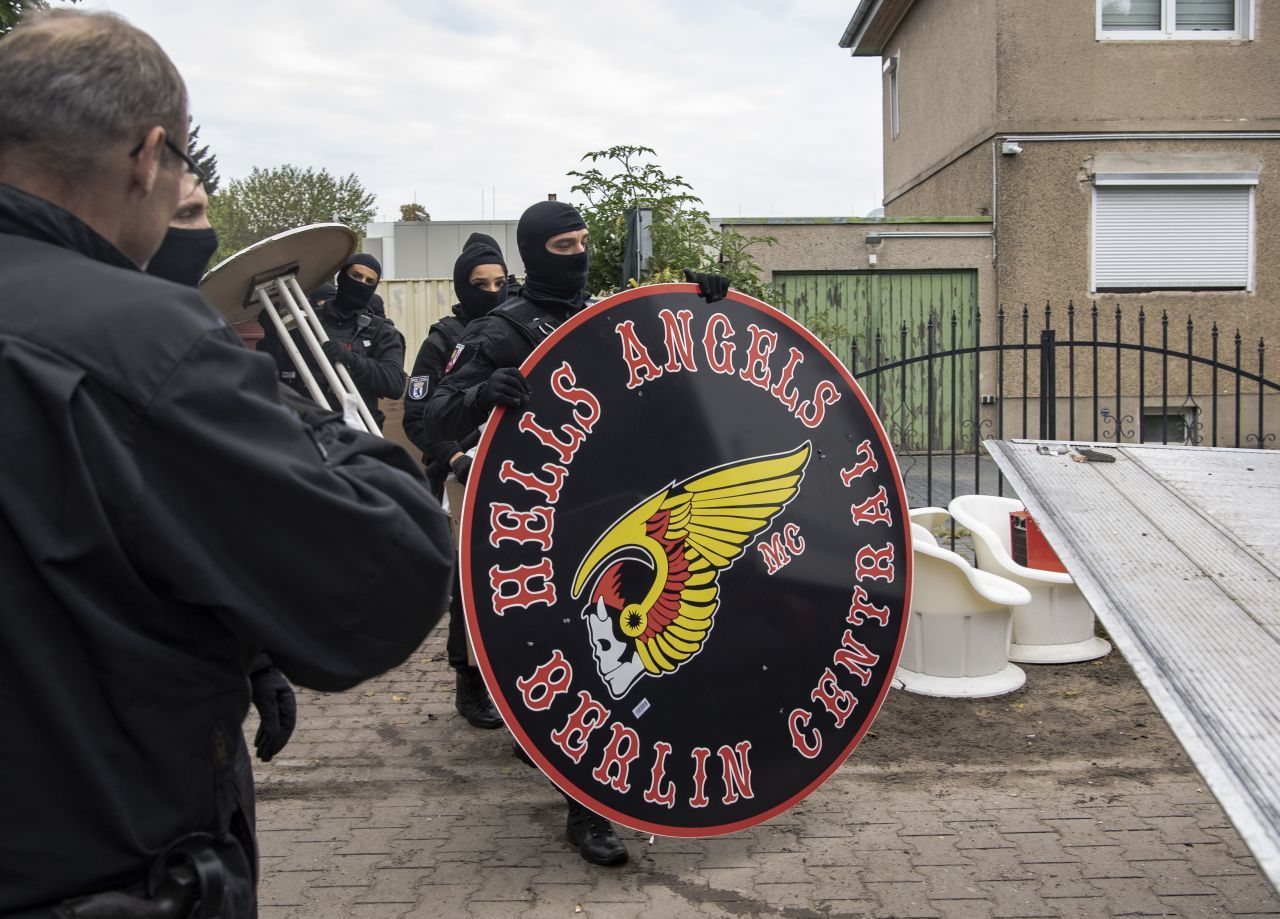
x: 413, y: 304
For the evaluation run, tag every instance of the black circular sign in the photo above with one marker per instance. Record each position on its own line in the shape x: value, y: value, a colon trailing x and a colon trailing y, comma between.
x: 686, y: 563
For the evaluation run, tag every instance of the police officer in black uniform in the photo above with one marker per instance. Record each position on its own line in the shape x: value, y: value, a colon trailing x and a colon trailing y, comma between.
x: 552, y: 237
x: 163, y: 514
x: 480, y: 282
x: 369, y: 345
x: 182, y: 258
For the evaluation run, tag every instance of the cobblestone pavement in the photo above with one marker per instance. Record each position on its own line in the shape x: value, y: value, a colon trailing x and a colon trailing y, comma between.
x: 386, y: 804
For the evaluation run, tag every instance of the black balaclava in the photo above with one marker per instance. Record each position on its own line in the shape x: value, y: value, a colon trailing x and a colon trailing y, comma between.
x: 184, y: 255
x: 322, y: 295
x: 549, y: 277
x: 353, y: 296
x: 472, y: 301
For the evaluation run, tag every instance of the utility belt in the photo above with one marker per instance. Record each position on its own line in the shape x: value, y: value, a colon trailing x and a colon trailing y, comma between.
x: 196, y: 877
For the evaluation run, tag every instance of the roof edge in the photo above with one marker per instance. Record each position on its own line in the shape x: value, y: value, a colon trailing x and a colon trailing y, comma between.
x: 857, y: 23
x: 867, y: 15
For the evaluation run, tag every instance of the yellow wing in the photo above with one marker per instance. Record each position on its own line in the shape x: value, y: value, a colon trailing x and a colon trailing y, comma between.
x: 704, y: 525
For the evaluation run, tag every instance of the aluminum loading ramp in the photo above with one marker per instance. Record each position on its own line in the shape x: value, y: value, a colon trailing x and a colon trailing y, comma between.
x: 1178, y: 551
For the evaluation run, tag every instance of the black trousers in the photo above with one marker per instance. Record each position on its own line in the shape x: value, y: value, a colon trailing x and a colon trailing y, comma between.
x: 456, y: 645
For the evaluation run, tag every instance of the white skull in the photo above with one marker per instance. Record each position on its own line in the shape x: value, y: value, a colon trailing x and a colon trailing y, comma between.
x: 616, y: 661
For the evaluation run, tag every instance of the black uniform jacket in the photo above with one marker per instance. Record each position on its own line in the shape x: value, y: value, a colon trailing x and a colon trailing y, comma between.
x: 428, y: 368
x: 378, y: 371
x: 162, y: 517
x: 502, y: 338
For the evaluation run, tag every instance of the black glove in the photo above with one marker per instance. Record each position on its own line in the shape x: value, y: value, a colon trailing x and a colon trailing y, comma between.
x: 277, y: 710
x: 505, y: 386
x: 711, y: 287
x: 338, y: 353
x: 461, y: 468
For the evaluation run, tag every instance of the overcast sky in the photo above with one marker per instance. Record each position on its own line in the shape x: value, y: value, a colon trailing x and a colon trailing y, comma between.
x: 446, y: 103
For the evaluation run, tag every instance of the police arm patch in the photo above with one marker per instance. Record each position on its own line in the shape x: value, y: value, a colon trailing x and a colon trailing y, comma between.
x: 419, y: 387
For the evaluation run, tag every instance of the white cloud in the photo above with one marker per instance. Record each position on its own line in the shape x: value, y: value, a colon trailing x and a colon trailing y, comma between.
x: 751, y: 100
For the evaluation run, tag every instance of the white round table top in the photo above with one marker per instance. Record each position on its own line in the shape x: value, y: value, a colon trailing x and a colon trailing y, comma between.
x: 312, y: 254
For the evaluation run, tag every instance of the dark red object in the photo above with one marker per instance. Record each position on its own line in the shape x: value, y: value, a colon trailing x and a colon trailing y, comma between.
x: 1029, y: 547
x: 250, y: 333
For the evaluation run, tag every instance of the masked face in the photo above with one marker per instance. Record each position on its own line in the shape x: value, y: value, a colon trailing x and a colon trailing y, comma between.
x: 553, y: 243
x: 559, y: 270
x: 353, y: 294
x: 184, y: 255
x: 485, y: 288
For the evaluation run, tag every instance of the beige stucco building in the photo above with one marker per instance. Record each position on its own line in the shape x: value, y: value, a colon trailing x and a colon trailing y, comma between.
x: 1126, y: 152
x: 1073, y: 120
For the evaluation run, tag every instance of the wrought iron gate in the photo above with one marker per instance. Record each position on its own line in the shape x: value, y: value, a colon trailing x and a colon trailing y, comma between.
x: 1107, y: 381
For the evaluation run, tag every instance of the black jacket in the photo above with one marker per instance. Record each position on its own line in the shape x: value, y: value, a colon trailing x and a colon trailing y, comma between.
x: 163, y: 516
x: 378, y: 371
x: 428, y: 367
x: 502, y: 338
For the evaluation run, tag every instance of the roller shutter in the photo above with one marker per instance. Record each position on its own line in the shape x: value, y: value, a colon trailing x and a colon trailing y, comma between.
x: 1153, y: 237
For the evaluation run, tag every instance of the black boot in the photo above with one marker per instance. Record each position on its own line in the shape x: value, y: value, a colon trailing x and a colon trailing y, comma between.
x: 594, y: 837
x: 518, y: 752
x: 472, y: 699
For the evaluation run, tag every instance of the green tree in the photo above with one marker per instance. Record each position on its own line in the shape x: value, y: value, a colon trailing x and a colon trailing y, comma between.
x: 414, y: 211
x: 207, y: 161
x: 683, y: 235
x: 271, y: 201
x: 12, y: 11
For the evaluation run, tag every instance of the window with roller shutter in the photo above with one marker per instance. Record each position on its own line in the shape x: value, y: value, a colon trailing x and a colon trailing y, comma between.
x: 1166, y: 232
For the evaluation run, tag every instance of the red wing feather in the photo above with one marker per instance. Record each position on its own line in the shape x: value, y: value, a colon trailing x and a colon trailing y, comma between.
x: 610, y: 587
x: 667, y: 606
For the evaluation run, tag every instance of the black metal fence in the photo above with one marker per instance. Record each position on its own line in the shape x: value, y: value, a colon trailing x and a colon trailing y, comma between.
x: 1089, y: 377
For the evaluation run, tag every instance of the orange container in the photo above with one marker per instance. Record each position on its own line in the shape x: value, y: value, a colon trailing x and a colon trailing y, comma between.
x: 1029, y: 547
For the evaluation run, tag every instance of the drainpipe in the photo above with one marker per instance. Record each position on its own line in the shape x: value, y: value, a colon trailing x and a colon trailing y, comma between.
x: 995, y: 201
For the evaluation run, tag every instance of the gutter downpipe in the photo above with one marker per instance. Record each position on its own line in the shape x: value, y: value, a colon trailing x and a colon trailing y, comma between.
x: 928, y: 234
x: 995, y: 201
x: 1146, y: 135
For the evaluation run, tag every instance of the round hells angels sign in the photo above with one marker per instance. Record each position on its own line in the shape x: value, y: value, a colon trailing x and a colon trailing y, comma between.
x: 686, y: 561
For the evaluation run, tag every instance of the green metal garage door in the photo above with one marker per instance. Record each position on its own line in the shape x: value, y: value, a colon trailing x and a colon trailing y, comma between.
x: 850, y: 307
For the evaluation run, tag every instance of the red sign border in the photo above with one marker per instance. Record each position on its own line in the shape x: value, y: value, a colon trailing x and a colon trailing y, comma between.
x: 464, y: 561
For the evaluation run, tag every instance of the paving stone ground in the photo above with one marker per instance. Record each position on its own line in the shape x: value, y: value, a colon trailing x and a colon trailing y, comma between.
x: 386, y: 804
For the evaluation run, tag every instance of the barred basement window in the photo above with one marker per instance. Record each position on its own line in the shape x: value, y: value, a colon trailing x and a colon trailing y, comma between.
x: 1170, y: 425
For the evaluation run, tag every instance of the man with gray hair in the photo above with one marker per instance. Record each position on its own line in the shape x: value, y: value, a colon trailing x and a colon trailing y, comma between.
x: 163, y: 515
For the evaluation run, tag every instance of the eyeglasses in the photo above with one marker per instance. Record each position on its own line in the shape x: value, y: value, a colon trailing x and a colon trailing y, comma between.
x: 193, y: 178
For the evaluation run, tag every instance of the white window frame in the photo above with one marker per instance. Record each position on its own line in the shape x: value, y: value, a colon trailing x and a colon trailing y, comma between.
x: 1170, y: 180
x: 891, y: 67
x: 1169, y: 32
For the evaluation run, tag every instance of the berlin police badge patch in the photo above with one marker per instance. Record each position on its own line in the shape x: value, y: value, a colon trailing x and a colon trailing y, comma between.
x: 686, y: 563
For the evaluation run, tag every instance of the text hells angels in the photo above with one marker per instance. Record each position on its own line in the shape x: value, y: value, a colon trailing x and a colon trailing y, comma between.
x: 829, y: 705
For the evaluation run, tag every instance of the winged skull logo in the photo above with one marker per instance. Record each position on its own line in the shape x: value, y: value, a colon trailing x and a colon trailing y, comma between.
x: 656, y: 570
